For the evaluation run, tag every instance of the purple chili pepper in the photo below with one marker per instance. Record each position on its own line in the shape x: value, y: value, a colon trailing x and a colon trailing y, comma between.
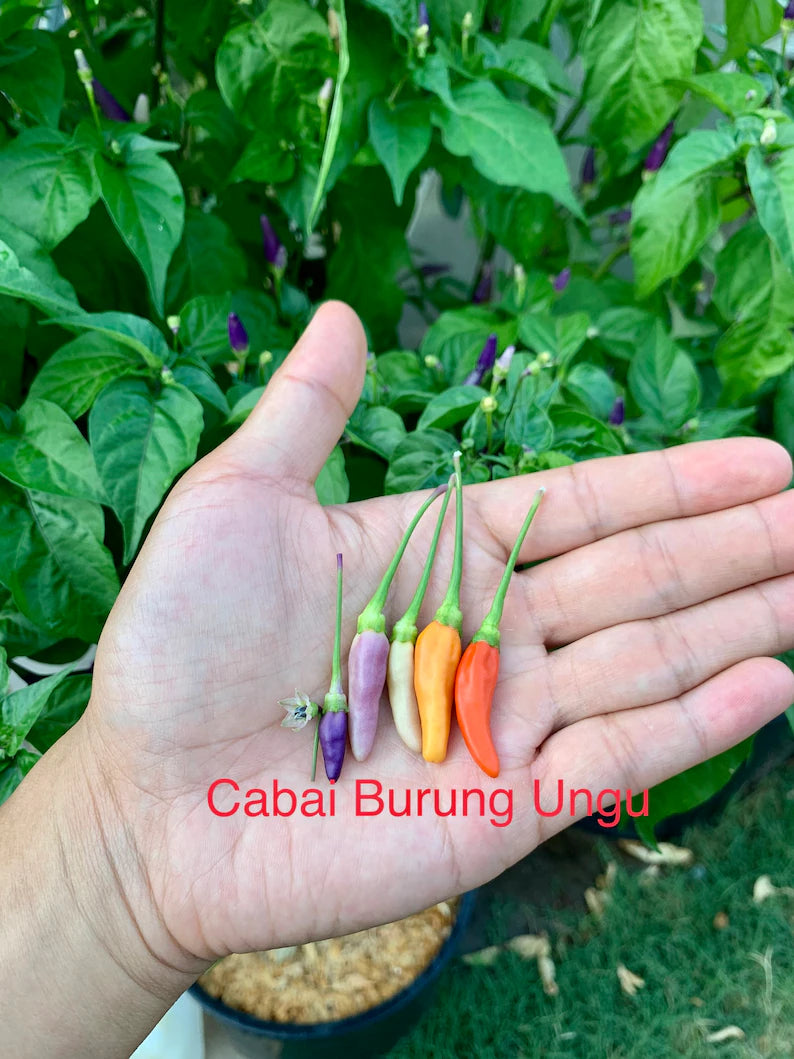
x: 333, y: 737
x: 332, y: 731
x: 561, y: 281
x: 658, y: 152
x: 620, y: 216
x: 589, y: 168
x: 238, y: 336
x: 788, y: 14
x: 108, y: 103
x: 366, y: 674
x: 275, y: 253
x: 484, y: 288
x: 423, y: 18
x: 618, y: 413
x: 485, y: 362
x: 369, y: 653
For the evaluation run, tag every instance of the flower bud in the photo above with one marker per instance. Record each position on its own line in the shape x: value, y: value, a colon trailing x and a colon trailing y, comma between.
x: 620, y: 216
x: 325, y: 93
x: 544, y: 358
x: 167, y: 377
x: 238, y: 336
x: 468, y: 23
x: 422, y: 31
x: 275, y: 253
x: 422, y: 17
x: 488, y: 405
x: 658, y: 152
x: 140, y: 113
x: 502, y: 365
x: 83, y: 69
x: 769, y: 132
x: 265, y: 358
x: 174, y: 323
x: 432, y: 361
x: 520, y: 280
x: 592, y: 332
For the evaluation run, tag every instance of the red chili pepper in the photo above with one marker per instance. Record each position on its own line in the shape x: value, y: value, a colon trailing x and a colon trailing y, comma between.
x: 478, y: 670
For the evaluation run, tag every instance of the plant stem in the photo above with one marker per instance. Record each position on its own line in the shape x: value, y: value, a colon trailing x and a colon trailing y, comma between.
x: 486, y: 253
x: 548, y: 20
x: 609, y: 261
x: 449, y: 612
x: 570, y: 119
x: 396, y: 90
x: 159, y: 50
x: 408, y: 620
x: 336, y: 670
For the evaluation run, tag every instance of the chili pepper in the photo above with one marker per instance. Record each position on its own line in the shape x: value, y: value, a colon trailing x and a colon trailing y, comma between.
x: 437, y: 651
x: 400, y: 669
x: 108, y: 103
x: 658, y: 152
x: 618, y: 413
x: 369, y: 652
x: 485, y: 362
x: 589, y: 168
x: 238, y: 336
x: 274, y: 250
x: 332, y: 729
x: 562, y: 279
x: 478, y: 672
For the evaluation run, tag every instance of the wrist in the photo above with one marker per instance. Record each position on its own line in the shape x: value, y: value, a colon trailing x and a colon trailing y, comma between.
x: 87, y: 967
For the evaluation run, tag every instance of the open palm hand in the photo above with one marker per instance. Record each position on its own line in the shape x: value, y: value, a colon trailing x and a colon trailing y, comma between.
x: 639, y: 649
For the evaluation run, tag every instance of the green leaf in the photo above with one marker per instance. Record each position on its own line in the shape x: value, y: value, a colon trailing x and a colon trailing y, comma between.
x: 401, y: 14
x: 203, y: 326
x: 630, y: 55
x: 401, y: 136
x: 265, y: 65
x: 622, y: 329
x: 527, y: 426
x: 17, y: 633
x: 749, y: 22
x: 528, y: 62
x: 664, y: 382
x: 144, y: 198
x: 562, y: 336
x: 335, y: 117
x: 422, y: 461
x: 446, y: 16
x: 734, y: 93
x: 3, y: 671
x: 332, y: 486
x: 516, y: 15
x: 771, y: 180
x: 689, y: 789
x: 677, y: 210
x: 197, y: 377
x: 754, y: 292
x: 507, y: 142
x: 60, y: 574
x: 458, y: 335
x: 450, y: 407
x: 379, y: 429
x: 243, y: 407
x: 41, y: 448
x: 582, y: 437
x: 784, y: 412
x: 64, y: 707
x: 141, y: 441
x: 48, y: 185
x: 139, y: 335
x: 21, y: 709
x: 15, y: 771
x: 266, y: 159
x: 35, y: 80
x: 76, y: 373
x: 593, y: 387
x: 208, y: 260
x: 20, y: 282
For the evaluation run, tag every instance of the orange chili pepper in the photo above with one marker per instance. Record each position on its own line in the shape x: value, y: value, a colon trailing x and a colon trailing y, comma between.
x: 437, y: 651
x: 478, y: 672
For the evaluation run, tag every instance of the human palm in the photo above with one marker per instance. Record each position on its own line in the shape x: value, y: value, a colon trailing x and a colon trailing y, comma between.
x: 637, y: 650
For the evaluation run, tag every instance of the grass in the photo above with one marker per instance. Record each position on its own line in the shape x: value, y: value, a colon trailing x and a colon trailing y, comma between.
x: 699, y: 977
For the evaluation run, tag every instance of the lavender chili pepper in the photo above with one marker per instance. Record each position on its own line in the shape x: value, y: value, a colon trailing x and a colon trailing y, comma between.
x: 108, y: 103
x: 561, y: 281
x: 788, y: 14
x: 275, y: 252
x: 658, y: 152
x: 369, y: 652
x: 333, y: 723
x: 618, y: 413
x: 238, y: 336
x: 589, y: 168
x: 485, y: 362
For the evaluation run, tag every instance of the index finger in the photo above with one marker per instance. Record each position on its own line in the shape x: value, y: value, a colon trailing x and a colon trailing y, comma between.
x: 587, y: 501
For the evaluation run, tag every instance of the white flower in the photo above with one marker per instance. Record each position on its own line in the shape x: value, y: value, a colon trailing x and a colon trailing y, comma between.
x: 300, y: 710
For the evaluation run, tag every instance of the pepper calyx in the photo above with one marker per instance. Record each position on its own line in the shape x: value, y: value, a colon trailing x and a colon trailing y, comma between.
x: 488, y: 633
x: 371, y: 618
x: 335, y: 702
x: 404, y: 631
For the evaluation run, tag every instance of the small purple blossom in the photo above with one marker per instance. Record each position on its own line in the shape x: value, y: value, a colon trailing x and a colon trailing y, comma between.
x: 485, y: 362
x: 484, y: 289
x: 300, y: 710
x: 618, y: 413
x: 589, y: 168
x: 108, y: 103
x: 422, y: 17
x: 275, y: 253
x: 658, y: 152
x: 561, y: 281
x: 238, y: 336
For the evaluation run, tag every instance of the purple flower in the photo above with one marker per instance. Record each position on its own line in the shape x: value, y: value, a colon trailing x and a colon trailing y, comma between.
x: 108, y: 103
x: 485, y: 362
x: 422, y: 17
x: 275, y: 253
x: 618, y: 413
x: 238, y: 336
x: 561, y: 281
x: 484, y: 288
x: 658, y: 152
x: 589, y: 167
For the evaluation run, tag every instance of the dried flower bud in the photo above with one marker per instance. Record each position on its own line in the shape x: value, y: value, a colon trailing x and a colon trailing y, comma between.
x: 620, y: 216
x: 238, y: 336
x: 140, y: 113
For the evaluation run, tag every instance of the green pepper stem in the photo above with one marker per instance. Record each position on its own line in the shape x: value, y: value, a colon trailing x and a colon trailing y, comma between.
x: 405, y: 629
x: 336, y: 671
x: 449, y: 613
x: 371, y: 616
x: 489, y: 630
x: 314, y: 747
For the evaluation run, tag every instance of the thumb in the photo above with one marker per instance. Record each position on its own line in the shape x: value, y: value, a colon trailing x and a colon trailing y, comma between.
x: 301, y: 415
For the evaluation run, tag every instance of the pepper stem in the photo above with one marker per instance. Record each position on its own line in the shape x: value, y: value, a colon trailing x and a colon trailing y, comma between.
x: 371, y: 616
x: 314, y: 748
x: 405, y: 629
x: 336, y: 670
x: 489, y: 630
x: 449, y: 613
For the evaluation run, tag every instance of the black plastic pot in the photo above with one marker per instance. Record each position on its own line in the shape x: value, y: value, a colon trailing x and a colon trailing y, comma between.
x: 372, y: 1033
